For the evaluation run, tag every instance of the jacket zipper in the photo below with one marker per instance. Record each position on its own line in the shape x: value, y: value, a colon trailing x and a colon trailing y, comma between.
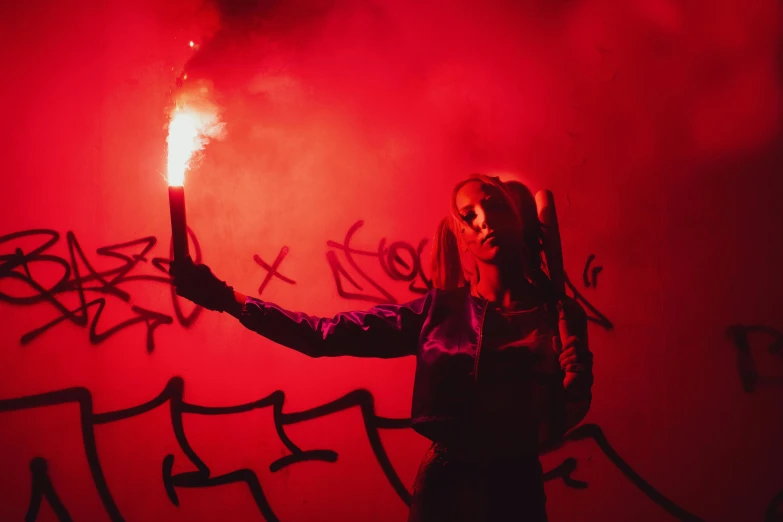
x: 481, y: 336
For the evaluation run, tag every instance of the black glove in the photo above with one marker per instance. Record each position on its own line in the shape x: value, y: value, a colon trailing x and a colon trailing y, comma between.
x: 197, y: 283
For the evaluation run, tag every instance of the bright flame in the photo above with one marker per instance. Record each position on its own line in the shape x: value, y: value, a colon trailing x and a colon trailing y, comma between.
x: 190, y: 129
x: 191, y: 43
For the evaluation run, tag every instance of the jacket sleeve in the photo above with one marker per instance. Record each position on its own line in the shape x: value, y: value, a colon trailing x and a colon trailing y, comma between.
x: 383, y: 331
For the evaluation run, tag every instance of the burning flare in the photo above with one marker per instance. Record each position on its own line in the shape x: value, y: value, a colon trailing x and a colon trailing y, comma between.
x: 194, y: 121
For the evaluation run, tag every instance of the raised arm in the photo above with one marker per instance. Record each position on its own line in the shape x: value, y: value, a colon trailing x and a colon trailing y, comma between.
x: 390, y: 330
x: 385, y: 331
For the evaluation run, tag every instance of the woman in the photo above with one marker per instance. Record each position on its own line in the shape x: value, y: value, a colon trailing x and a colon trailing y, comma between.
x: 490, y: 388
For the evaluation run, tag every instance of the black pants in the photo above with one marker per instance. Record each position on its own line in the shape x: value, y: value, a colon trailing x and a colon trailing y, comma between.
x: 450, y: 489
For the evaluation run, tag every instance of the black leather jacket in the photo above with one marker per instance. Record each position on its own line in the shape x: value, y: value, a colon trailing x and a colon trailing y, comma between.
x: 443, y: 329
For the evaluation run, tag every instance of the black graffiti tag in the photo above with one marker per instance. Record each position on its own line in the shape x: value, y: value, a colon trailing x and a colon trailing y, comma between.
x: 593, y: 314
x: 400, y: 261
x: 171, y: 398
x: 590, y: 276
x: 746, y: 362
x: 94, y: 288
x: 272, y: 271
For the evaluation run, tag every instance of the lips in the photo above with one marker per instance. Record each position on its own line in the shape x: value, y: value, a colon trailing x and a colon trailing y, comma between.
x: 489, y: 236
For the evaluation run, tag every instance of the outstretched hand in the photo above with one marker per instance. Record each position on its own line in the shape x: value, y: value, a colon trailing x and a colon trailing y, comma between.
x: 197, y: 283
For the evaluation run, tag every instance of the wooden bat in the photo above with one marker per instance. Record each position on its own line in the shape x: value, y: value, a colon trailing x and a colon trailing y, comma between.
x: 553, y: 255
x: 553, y: 249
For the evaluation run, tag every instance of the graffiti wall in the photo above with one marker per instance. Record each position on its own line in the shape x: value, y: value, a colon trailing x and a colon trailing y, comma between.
x: 656, y: 125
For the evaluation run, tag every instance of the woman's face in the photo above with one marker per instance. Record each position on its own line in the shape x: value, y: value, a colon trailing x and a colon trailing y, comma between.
x: 487, y: 223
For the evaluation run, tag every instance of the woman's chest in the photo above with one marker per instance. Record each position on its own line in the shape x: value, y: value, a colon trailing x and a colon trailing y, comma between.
x: 519, y: 344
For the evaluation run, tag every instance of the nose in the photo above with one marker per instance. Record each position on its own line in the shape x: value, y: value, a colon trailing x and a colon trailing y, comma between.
x: 481, y: 219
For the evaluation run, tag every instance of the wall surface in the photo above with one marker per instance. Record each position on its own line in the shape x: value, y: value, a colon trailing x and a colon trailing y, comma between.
x: 656, y: 123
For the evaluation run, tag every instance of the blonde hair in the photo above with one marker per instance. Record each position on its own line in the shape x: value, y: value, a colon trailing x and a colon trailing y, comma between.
x: 454, y: 267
